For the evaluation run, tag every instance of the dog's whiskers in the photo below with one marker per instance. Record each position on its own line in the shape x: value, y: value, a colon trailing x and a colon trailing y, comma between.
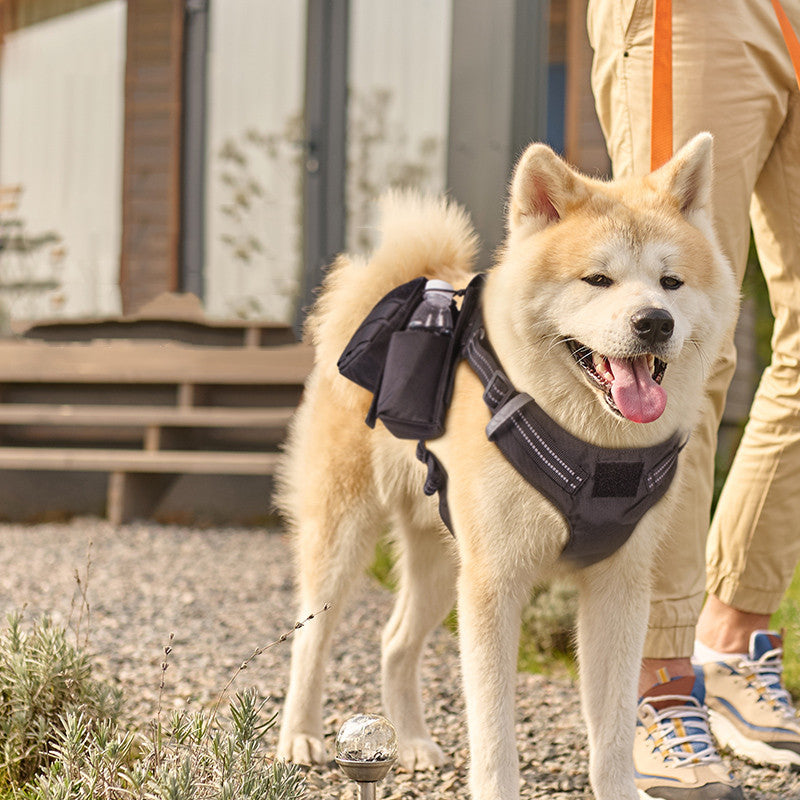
x: 705, y: 362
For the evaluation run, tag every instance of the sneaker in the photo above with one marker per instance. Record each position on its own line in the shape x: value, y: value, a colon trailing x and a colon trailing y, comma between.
x: 750, y: 711
x: 674, y: 754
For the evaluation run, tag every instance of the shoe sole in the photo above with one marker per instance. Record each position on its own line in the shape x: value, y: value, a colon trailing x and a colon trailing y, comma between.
x: 730, y: 737
x: 644, y: 796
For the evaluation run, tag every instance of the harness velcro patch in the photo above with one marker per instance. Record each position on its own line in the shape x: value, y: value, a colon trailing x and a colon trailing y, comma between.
x: 617, y: 478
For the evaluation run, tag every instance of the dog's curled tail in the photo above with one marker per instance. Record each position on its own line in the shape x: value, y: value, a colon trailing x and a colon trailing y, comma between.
x: 420, y: 235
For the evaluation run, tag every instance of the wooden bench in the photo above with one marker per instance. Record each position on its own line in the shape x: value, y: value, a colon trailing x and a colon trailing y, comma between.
x: 145, y: 411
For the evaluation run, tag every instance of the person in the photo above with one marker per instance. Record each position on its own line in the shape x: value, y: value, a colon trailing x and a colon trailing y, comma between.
x: 733, y: 76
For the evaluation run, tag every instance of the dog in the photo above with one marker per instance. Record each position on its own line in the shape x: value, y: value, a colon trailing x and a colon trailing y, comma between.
x: 607, y: 304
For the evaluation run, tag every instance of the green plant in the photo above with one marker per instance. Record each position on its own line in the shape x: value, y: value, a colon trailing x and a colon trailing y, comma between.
x: 60, y: 737
x: 43, y: 681
x: 191, y: 759
x: 788, y: 618
x: 548, y: 622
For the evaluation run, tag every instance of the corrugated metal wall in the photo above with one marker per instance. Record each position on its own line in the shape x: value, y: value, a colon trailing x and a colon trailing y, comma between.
x: 256, y: 70
x: 397, y: 134
x: 399, y: 90
x: 61, y: 106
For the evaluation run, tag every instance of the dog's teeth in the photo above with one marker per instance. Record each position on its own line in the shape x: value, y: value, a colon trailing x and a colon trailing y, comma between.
x: 651, y: 363
x: 601, y: 367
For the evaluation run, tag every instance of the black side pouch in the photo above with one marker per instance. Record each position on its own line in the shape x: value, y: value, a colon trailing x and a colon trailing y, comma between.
x: 417, y: 383
x: 365, y: 355
x: 409, y: 372
x: 411, y: 399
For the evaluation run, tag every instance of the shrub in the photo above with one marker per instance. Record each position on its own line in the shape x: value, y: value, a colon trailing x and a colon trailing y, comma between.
x: 60, y: 737
x: 548, y: 623
x: 44, y: 680
x: 191, y: 760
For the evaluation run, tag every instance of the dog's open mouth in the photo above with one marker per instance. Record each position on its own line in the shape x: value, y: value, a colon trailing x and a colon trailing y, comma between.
x: 631, y: 386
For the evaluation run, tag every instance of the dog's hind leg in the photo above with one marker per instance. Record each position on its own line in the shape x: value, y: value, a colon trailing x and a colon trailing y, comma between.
x: 427, y: 570
x: 612, y: 621
x: 332, y: 555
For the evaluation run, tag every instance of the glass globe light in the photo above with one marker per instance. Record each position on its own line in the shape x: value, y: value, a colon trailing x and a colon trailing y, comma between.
x: 366, y: 748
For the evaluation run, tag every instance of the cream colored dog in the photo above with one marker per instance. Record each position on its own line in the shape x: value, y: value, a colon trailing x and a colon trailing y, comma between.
x: 582, y: 258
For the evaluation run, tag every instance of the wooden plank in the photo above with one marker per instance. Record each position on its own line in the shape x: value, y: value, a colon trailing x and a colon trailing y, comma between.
x: 148, y: 362
x: 135, y: 495
x: 143, y: 416
x: 189, y: 462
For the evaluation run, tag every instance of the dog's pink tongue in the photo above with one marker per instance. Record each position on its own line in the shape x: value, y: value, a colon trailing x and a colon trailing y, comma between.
x: 638, y: 397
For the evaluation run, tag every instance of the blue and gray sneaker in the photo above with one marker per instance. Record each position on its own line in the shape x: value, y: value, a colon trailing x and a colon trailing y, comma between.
x: 750, y: 711
x: 674, y: 754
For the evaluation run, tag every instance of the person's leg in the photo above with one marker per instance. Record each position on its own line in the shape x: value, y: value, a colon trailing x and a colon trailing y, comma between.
x: 721, y: 84
x: 722, y: 54
x: 753, y: 547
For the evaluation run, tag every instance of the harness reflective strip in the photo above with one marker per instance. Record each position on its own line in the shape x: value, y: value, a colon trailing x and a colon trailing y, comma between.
x: 660, y: 471
x: 548, y: 459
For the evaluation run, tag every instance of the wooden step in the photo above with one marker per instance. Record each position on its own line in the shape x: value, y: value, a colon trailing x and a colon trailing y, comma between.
x: 146, y: 412
x: 140, y: 416
x: 195, y: 462
x: 146, y: 362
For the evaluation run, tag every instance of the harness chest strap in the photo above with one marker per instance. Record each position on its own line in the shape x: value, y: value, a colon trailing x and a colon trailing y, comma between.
x: 601, y: 492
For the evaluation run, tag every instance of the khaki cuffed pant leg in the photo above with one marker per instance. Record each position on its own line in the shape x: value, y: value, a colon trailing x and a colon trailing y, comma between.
x: 732, y: 76
x: 754, y: 542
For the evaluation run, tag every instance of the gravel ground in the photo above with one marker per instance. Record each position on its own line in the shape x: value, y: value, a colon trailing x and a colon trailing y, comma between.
x: 222, y: 593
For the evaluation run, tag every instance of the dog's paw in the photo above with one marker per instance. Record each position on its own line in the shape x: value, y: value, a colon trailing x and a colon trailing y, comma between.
x: 420, y: 754
x: 300, y: 748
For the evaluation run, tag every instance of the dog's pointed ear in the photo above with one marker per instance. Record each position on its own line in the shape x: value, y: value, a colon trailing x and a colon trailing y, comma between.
x: 688, y: 175
x: 542, y: 188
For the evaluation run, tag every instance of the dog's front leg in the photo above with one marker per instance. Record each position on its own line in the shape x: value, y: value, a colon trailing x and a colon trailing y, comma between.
x: 489, y: 619
x: 612, y: 622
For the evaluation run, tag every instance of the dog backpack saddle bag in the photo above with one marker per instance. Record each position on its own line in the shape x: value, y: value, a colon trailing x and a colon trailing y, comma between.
x: 409, y: 370
x: 601, y: 492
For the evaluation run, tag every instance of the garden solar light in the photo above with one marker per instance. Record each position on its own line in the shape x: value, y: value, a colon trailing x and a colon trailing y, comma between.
x: 366, y: 748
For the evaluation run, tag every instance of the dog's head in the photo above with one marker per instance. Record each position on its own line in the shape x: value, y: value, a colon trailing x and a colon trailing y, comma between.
x: 619, y: 285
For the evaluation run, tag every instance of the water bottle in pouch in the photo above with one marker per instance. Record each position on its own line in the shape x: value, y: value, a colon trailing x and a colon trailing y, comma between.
x: 434, y: 312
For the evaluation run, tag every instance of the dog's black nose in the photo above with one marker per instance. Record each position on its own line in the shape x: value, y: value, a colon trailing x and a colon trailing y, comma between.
x: 653, y: 325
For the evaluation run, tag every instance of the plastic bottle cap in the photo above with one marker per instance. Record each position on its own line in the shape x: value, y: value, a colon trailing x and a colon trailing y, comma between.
x: 436, y: 285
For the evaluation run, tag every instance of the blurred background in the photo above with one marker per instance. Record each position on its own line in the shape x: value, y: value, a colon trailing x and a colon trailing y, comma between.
x: 176, y: 174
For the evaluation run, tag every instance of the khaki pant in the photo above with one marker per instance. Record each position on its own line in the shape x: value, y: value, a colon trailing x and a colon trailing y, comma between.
x: 732, y: 76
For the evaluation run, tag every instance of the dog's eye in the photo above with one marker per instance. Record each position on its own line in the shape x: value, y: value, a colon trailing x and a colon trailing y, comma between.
x: 598, y: 280
x: 671, y: 283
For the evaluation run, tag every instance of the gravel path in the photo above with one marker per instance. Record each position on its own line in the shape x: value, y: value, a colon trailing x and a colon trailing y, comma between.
x: 225, y: 592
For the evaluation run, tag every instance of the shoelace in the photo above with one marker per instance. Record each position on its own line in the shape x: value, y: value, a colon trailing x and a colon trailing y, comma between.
x: 765, y: 677
x: 696, y: 734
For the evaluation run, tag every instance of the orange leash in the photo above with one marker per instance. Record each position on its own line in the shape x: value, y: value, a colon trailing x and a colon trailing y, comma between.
x: 661, y: 110
x: 792, y: 42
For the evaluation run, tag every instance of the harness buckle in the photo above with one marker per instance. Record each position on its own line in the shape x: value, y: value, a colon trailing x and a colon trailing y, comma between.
x: 502, y: 415
x: 498, y: 389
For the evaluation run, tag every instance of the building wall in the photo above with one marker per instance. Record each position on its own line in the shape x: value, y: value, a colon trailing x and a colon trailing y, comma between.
x: 151, y: 191
x: 61, y: 131
x: 253, y: 238
x: 397, y: 117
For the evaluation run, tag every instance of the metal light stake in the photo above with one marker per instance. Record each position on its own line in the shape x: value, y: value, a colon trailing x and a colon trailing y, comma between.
x: 366, y: 749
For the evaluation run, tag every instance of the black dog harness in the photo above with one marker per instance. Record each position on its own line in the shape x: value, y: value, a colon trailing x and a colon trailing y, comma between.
x: 601, y: 492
